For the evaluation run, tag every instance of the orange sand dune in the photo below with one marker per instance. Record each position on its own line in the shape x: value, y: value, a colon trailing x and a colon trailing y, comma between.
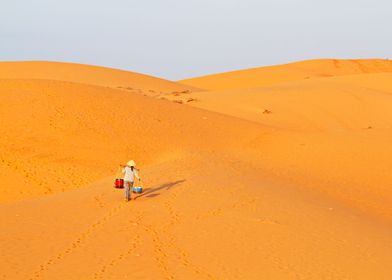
x: 88, y: 74
x: 265, y: 76
x: 300, y: 191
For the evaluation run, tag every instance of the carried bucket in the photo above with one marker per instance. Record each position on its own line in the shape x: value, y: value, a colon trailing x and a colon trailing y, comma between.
x: 137, y: 189
x: 119, y: 183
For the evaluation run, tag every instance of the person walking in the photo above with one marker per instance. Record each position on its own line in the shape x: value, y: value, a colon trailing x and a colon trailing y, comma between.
x: 130, y: 173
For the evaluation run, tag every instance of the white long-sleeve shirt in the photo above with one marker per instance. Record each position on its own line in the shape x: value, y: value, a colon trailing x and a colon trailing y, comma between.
x: 129, y: 174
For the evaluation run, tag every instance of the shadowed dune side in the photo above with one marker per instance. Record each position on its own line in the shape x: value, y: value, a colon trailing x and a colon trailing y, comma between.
x: 272, y: 75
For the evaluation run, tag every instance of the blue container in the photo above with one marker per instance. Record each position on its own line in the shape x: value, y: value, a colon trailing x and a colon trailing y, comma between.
x: 137, y: 189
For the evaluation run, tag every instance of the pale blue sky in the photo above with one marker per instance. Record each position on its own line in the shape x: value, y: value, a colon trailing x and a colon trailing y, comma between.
x: 177, y: 39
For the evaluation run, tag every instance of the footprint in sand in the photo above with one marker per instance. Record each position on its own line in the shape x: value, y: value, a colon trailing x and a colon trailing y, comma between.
x: 266, y: 221
x: 78, y: 242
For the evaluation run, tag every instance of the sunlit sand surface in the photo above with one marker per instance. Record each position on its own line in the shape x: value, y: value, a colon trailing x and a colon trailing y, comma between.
x: 278, y: 172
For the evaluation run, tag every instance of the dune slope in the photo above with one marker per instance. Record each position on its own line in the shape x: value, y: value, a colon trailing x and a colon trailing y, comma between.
x: 332, y: 134
x: 196, y: 220
x: 60, y: 135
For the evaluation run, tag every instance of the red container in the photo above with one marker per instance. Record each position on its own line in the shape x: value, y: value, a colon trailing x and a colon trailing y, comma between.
x: 119, y: 183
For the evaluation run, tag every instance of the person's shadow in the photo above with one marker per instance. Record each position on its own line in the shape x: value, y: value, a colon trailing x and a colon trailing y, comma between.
x: 153, y: 192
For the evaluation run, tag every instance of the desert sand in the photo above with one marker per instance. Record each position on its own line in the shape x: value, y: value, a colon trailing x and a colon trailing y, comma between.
x: 277, y: 172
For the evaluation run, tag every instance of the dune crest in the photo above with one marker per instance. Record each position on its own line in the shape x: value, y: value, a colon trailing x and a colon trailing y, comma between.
x: 297, y: 71
x: 91, y: 75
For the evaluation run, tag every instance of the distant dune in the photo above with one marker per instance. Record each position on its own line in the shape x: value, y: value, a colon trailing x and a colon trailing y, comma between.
x: 278, y: 172
x: 88, y: 74
x: 349, y: 102
x: 266, y: 76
